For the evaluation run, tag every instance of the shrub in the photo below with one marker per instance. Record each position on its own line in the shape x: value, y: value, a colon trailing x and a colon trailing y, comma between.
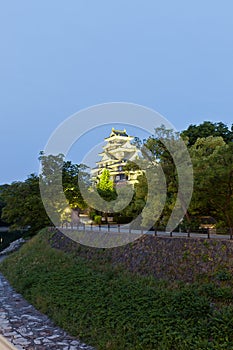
x: 98, y: 219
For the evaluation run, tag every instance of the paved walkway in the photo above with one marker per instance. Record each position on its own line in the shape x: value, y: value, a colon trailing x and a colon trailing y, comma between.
x: 25, y: 327
x: 125, y: 229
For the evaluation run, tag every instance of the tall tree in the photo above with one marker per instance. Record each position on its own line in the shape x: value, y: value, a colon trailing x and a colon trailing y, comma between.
x: 135, y: 207
x: 213, y: 172
x: 70, y: 179
x: 105, y: 186
x: 206, y: 129
x: 106, y: 190
x: 23, y: 205
x: 59, y: 183
x: 51, y: 187
x: 2, y: 204
x: 166, y: 149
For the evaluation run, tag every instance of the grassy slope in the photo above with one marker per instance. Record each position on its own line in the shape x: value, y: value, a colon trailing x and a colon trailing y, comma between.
x: 112, y: 309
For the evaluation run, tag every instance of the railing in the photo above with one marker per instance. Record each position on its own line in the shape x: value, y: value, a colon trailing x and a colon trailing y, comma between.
x: 111, y: 228
x: 5, y: 345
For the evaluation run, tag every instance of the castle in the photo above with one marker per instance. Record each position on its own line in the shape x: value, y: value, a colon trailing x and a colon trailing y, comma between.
x: 115, y: 155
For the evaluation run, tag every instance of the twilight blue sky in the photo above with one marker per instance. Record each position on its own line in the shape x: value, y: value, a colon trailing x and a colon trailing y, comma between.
x: 58, y: 57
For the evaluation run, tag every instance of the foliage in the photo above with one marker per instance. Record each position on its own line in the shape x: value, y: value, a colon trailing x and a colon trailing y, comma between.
x: 21, y: 202
x: 59, y: 182
x: 105, y: 186
x: 23, y: 205
x: 98, y: 219
x: 51, y: 186
x: 2, y: 204
x: 207, y: 129
x: 135, y: 207
x: 162, y: 152
x: 213, y: 173
x: 211, y: 148
x: 158, y: 152
x: 70, y: 181
x: 112, y: 309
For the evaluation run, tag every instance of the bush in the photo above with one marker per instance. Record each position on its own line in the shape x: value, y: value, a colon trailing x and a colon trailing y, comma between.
x: 223, y: 275
x: 98, y: 219
x: 92, y: 215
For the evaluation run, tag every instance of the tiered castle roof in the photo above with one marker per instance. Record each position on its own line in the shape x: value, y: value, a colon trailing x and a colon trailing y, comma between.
x: 116, y: 153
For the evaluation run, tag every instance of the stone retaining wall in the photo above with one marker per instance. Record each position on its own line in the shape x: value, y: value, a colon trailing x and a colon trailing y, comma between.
x: 166, y: 258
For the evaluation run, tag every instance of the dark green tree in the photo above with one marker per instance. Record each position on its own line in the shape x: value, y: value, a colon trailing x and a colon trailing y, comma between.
x: 59, y: 182
x: 166, y: 149
x: 70, y: 180
x: 51, y: 187
x: 138, y: 201
x: 2, y: 204
x: 23, y: 205
x: 206, y: 129
x: 213, y: 173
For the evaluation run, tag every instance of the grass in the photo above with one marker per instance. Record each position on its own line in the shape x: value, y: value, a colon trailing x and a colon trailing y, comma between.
x: 111, y: 308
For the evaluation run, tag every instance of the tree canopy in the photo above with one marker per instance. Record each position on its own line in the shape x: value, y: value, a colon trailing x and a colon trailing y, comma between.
x: 23, y: 205
x: 207, y: 128
x: 213, y: 174
x: 212, y: 161
x: 21, y: 201
x: 105, y: 186
x: 210, y: 146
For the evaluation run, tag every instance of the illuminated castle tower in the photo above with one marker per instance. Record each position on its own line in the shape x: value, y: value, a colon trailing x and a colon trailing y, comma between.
x: 115, y: 155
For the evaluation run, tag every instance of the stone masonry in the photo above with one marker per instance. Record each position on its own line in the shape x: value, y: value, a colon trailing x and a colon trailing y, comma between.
x: 28, y: 329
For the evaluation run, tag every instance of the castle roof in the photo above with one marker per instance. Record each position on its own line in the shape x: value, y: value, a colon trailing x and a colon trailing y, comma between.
x: 115, y: 155
x: 119, y: 134
x: 116, y: 132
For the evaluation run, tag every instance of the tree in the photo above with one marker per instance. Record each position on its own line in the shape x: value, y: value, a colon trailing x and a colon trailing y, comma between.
x: 105, y: 186
x: 105, y: 189
x: 166, y: 149
x: 51, y: 187
x: 166, y: 165
x: 70, y: 180
x: 136, y: 205
x: 213, y: 172
x: 59, y: 183
x: 206, y: 129
x: 23, y: 205
x: 2, y: 204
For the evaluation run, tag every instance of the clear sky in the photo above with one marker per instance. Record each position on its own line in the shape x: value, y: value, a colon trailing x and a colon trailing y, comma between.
x: 58, y: 57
